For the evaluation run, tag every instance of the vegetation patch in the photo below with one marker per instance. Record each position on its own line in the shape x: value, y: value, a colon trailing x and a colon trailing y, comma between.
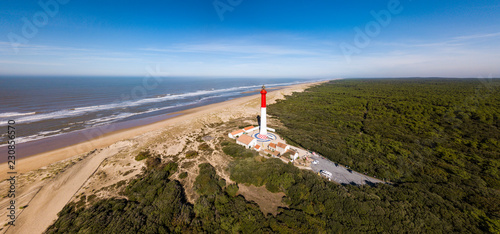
x: 204, y: 147
x: 128, y: 172
x: 153, y: 162
x: 435, y: 138
x: 191, y: 154
x: 183, y: 175
x: 237, y: 151
x: 206, y: 183
x: 121, y: 183
x: 171, y: 167
x: 232, y: 189
x: 156, y: 204
x: 187, y: 165
x: 143, y: 155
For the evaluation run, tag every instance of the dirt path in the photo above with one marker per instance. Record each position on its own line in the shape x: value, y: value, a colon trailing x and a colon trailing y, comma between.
x: 42, y: 210
x: 55, y: 192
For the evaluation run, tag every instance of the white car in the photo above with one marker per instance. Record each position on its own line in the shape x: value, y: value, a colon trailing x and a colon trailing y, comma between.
x: 327, y: 174
x: 315, y: 162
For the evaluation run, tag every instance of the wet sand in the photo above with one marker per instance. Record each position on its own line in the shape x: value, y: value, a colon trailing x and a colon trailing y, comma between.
x: 50, y: 180
x: 47, y: 151
x: 59, y: 141
x: 30, y: 148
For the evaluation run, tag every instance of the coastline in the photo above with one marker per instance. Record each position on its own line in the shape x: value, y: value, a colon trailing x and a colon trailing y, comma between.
x: 31, y: 148
x: 38, y: 160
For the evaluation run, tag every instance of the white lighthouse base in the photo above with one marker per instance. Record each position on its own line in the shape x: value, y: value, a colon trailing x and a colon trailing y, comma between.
x: 263, y: 122
x: 265, y: 138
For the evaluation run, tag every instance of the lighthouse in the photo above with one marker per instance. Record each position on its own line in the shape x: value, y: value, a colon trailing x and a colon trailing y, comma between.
x: 263, y: 123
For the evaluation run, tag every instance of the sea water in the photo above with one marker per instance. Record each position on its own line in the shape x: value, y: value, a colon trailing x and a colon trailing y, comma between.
x: 46, y: 106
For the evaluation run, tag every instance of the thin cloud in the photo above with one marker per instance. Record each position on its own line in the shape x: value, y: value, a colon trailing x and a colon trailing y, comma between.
x: 233, y: 49
x: 103, y: 58
x: 477, y: 36
x: 450, y: 42
x: 33, y: 49
x: 4, y: 44
x: 29, y: 63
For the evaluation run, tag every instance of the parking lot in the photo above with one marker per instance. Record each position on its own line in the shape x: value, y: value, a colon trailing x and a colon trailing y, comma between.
x: 340, y: 174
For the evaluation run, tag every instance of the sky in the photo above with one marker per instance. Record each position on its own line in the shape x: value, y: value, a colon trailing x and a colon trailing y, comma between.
x: 251, y: 38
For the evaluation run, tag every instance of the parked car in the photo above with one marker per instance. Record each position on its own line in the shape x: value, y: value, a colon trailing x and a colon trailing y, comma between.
x: 315, y: 162
x: 326, y: 173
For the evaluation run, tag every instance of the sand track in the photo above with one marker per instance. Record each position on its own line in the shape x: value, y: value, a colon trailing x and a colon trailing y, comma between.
x: 68, y: 174
x: 43, y: 208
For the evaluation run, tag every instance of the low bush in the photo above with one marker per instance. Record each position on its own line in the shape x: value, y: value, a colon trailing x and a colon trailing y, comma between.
x: 237, y: 151
x: 191, y: 154
x: 142, y: 155
x: 183, y: 175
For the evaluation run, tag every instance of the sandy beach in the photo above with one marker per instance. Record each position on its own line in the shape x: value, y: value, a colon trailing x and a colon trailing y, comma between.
x: 46, y: 182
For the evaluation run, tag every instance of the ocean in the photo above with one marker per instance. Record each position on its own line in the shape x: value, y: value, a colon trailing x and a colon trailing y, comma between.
x: 44, y: 107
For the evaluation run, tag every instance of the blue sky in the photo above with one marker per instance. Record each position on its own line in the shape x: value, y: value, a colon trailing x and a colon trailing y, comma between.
x: 251, y: 38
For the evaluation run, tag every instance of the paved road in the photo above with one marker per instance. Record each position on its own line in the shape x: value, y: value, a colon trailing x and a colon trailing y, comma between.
x: 341, y: 174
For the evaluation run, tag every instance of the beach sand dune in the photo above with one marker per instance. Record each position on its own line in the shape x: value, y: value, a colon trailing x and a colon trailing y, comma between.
x: 54, y: 195
x: 48, y: 181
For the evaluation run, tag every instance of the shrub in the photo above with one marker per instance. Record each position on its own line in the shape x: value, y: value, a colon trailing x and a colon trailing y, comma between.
x: 143, y: 155
x: 191, y: 154
x: 171, y: 167
x: 205, y: 183
x: 204, y: 147
x: 153, y: 162
x: 237, y: 151
x: 232, y: 189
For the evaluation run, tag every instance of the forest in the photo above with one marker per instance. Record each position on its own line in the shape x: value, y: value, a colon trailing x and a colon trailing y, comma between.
x: 435, y: 140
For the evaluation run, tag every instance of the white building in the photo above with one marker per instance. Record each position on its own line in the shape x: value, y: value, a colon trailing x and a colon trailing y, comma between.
x: 236, y: 133
x: 250, y: 129
x: 271, y: 147
x: 293, y: 154
x: 282, y: 148
x: 246, y: 141
x: 257, y: 147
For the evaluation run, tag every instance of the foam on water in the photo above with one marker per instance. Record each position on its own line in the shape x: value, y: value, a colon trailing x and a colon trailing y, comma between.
x: 70, y: 111
x: 34, y: 117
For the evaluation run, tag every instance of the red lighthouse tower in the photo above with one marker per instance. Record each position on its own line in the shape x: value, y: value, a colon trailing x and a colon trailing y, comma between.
x: 263, y: 120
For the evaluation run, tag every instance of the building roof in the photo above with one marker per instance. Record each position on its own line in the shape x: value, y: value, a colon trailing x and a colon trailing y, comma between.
x: 281, y: 145
x: 237, y: 132
x: 248, y: 128
x: 267, y: 151
x: 257, y: 147
x: 272, y: 145
x: 245, y: 139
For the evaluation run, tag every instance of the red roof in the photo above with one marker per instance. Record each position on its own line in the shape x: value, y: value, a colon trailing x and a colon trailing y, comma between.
x: 245, y: 139
x: 257, y: 146
x: 237, y: 132
x: 272, y: 145
x: 281, y: 145
x: 248, y: 128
